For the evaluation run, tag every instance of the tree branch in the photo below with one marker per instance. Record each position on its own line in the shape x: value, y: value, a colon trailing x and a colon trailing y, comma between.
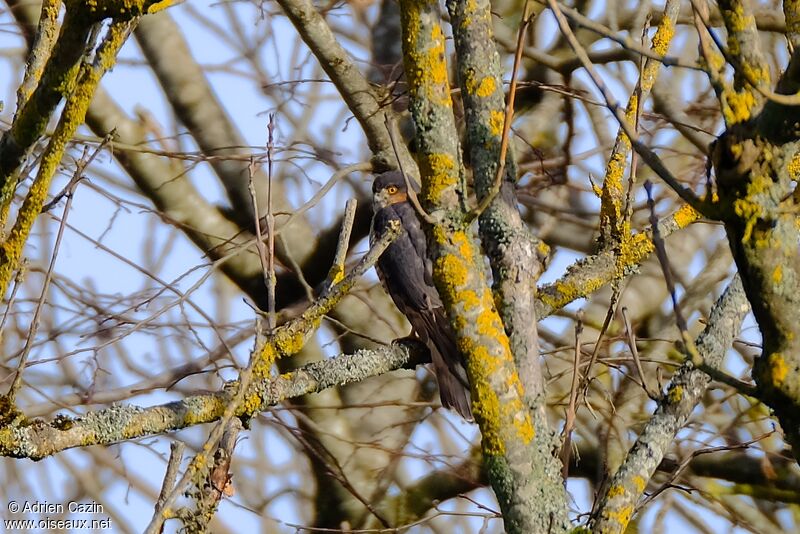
x: 367, y: 105
x: 683, y: 394
x: 512, y: 250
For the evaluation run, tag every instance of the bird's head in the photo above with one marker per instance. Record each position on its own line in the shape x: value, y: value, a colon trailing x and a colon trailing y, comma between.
x: 387, y: 189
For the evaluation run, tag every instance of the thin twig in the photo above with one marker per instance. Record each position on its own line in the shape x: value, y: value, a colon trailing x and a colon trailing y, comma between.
x: 411, y: 190
x: 687, y: 461
x: 631, y: 337
x: 176, y: 449
x: 309, y: 317
x: 334, y: 469
x: 612, y: 306
x: 699, y: 16
x: 320, y: 194
x: 262, y: 251
x: 637, y: 93
x: 271, y: 280
x: 34, y: 328
x: 18, y: 278
x: 661, y: 254
x: 569, y: 422
x: 201, y: 459
x: 623, y: 39
x: 171, y: 286
x: 336, y: 272
x: 315, y: 199
x: 296, y: 268
x: 267, y: 259
x: 69, y: 188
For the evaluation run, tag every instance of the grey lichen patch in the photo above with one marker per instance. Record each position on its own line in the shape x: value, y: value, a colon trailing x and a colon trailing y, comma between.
x: 359, y: 365
x: 111, y: 424
x: 16, y: 442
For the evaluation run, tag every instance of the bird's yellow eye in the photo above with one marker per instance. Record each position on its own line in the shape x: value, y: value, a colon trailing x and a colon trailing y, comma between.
x: 392, y: 189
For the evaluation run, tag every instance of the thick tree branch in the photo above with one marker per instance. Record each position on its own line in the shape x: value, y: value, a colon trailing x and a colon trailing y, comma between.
x: 39, y: 439
x: 751, y: 71
x: 684, y: 393
x: 614, y: 222
x: 56, y: 81
x: 497, y: 393
x: 791, y: 12
x: 512, y: 250
x: 757, y: 171
x: 72, y: 117
x: 589, y: 274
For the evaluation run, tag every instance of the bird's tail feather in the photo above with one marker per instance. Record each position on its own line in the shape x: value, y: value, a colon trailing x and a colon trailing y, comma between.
x: 432, y: 327
x: 454, y: 394
x: 449, y: 368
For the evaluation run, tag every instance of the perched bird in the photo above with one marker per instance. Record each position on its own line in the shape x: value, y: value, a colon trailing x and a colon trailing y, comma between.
x: 407, y: 274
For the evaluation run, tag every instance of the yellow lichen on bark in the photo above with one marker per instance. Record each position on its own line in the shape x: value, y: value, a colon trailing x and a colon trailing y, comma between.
x: 496, y: 122
x: 793, y: 168
x: 211, y: 409
x: 737, y: 21
x: 740, y: 100
x: 613, y: 192
x: 118, y: 9
x: 48, y: 32
x: 675, y: 394
x: 778, y: 369
x: 568, y: 291
x: 750, y: 207
x: 685, y: 216
x: 428, y: 79
x: 262, y: 367
x: 516, y: 412
x: 738, y: 106
x: 287, y: 340
x: 615, y: 491
x: 429, y: 89
x: 777, y: 274
x: 485, y: 366
x: 441, y: 173
x: 483, y: 88
x: 663, y: 37
x: 251, y: 403
x: 485, y: 402
x: 637, y: 248
x: 615, y: 229
x: 472, y: 7
x: 439, y: 85
x: 336, y: 274
x: 615, y: 519
x: 622, y: 516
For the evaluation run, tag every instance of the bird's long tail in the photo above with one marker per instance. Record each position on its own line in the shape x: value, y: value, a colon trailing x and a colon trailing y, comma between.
x: 449, y: 368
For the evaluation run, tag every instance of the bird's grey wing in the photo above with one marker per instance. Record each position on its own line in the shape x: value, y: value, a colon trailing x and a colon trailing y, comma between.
x: 401, y: 267
x: 414, y: 228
